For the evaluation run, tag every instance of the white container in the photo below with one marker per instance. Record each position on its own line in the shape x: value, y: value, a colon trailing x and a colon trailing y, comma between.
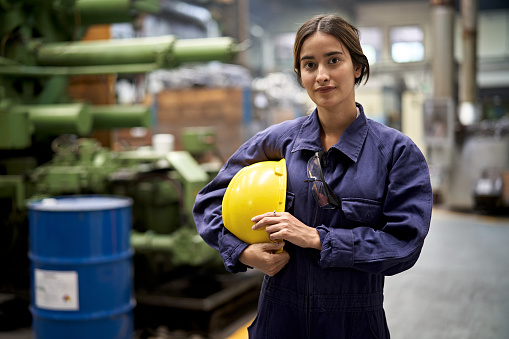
x: 163, y: 143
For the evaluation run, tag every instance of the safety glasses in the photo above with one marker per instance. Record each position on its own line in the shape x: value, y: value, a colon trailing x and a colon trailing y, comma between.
x: 322, y: 192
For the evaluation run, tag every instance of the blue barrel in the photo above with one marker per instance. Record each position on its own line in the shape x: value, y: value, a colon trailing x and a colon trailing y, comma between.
x: 81, y: 267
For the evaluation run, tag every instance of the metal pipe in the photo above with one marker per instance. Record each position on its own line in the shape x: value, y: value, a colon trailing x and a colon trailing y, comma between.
x: 45, y: 71
x: 105, y: 52
x: 58, y: 118
x: 443, y: 48
x: 99, y: 11
x: 468, y: 70
x: 184, y: 245
x: 243, y: 26
x: 119, y: 116
x: 93, y: 12
x: 165, y: 51
x: 199, y: 50
x: 150, y: 241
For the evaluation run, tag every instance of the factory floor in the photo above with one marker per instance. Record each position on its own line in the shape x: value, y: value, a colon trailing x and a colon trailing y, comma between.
x: 459, y: 288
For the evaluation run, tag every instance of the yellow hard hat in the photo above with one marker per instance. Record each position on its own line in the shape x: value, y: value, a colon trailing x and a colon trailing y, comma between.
x: 254, y: 190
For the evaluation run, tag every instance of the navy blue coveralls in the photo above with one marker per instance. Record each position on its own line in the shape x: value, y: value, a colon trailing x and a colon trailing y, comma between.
x: 382, y: 181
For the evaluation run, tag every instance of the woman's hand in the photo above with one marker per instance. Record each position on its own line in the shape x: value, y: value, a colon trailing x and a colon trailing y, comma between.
x: 263, y: 257
x: 284, y: 226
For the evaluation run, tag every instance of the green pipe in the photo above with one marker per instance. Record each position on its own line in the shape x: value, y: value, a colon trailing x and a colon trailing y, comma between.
x: 147, y: 6
x: 199, y: 50
x: 185, y: 246
x: 93, y: 12
x: 166, y: 51
x: 118, y: 116
x: 150, y: 241
x: 58, y: 118
x: 105, y: 52
x: 122, y: 56
x: 43, y: 72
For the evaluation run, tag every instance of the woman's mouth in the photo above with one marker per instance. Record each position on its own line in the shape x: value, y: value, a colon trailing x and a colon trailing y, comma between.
x: 324, y: 89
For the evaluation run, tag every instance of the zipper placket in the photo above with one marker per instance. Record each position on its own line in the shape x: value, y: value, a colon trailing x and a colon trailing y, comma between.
x: 309, y: 284
x: 309, y: 258
x: 309, y: 255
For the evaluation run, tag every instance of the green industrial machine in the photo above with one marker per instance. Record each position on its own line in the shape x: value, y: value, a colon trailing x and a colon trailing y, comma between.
x: 46, y: 147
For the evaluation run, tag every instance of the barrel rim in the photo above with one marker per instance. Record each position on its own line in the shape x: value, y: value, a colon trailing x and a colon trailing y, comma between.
x: 108, y: 202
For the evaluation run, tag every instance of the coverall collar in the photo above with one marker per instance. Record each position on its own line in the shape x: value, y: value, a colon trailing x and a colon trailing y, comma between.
x: 350, y: 142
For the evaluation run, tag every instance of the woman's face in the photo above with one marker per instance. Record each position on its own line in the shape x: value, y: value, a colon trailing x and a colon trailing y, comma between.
x: 327, y: 72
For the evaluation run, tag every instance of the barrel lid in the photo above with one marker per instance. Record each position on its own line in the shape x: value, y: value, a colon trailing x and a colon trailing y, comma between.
x: 80, y: 203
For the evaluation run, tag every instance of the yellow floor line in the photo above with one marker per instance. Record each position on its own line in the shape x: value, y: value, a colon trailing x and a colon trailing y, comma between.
x: 241, y: 333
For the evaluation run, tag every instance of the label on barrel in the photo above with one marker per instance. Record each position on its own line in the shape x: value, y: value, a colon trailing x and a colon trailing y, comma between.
x: 56, y: 290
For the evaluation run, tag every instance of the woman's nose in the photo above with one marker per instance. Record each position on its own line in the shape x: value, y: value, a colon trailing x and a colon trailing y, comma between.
x: 322, y: 75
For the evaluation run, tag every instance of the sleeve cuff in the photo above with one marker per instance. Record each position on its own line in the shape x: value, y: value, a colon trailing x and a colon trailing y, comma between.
x: 231, y: 254
x: 337, y: 247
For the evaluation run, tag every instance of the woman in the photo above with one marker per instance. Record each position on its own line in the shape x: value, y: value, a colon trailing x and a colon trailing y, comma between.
x: 358, y: 203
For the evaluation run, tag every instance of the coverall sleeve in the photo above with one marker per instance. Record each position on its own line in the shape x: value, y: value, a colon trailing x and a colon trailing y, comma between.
x: 207, y: 210
x: 395, y: 245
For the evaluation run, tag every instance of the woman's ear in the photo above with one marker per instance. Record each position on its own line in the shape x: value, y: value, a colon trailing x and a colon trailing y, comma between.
x: 357, y: 70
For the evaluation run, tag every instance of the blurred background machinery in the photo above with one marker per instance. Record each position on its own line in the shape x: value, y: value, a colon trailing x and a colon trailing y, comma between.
x: 58, y: 106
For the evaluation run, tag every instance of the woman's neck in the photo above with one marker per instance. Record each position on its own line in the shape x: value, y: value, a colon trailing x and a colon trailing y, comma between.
x: 333, y: 124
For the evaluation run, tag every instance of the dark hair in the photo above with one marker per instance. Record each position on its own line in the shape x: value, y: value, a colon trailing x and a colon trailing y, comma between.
x: 336, y: 26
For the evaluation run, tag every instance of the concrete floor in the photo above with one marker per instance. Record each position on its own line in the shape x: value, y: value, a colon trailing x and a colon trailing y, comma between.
x: 459, y: 288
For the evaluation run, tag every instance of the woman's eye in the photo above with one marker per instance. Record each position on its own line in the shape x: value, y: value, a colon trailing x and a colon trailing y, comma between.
x: 334, y: 60
x: 309, y: 65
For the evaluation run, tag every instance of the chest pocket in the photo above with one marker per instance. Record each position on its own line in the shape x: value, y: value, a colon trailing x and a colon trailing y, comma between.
x: 362, y: 210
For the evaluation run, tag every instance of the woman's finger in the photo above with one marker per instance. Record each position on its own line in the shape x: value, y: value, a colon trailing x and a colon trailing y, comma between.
x: 265, y: 215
